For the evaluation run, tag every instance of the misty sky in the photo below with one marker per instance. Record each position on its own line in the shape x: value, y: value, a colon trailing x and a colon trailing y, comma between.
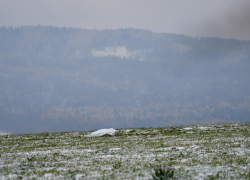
x: 223, y: 18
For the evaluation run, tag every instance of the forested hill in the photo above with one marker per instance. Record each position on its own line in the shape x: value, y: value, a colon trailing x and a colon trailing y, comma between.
x: 53, y: 42
x: 63, y: 79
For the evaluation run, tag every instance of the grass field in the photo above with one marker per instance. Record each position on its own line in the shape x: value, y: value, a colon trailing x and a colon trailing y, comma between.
x: 194, y: 152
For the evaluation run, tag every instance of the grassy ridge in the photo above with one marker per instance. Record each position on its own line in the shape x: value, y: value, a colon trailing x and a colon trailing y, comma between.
x: 194, y: 152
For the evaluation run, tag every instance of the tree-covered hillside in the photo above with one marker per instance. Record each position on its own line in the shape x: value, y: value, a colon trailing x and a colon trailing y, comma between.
x: 62, y: 79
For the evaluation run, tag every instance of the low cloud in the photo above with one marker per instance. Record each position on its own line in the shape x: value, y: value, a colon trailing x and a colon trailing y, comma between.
x: 233, y: 23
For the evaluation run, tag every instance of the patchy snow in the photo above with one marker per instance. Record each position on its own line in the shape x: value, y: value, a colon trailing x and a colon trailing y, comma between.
x: 194, y: 147
x: 203, y: 128
x: 79, y: 176
x: 115, y: 149
x: 130, y: 155
x: 179, y: 148
x: 102, y: 132
x: 187, y: 128
x: 127, y: 130
x: 162, y: 149
x: 184, y: 160
x: 89, y: 150
x: 48, y: 176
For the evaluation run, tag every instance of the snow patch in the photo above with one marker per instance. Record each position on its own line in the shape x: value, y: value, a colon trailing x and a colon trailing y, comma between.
x: 203, y: 128
x: 114, y: 149
x: 184, y: 160
x: 187, y: 128
x: 119, y: 51
x: 194, y: 147
x: 88, y: 150
x: 48, y: 175
x: 79, y: 176
x: 127, y: 130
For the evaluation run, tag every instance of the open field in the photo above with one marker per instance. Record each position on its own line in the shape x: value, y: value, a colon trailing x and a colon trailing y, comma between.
x: 194, y: 152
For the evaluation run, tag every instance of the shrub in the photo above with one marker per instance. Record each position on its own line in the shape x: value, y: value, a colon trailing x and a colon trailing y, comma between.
x: 162, y: 172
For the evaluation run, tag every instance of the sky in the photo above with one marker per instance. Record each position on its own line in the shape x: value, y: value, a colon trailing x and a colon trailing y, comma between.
x: 213, y: 18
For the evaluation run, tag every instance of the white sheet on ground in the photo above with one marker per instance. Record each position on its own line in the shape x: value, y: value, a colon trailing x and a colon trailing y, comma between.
x: 102, y: 132
x: 187, y: 128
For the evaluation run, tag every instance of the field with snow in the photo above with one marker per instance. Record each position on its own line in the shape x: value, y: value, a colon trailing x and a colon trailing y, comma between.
x: 194, y: 152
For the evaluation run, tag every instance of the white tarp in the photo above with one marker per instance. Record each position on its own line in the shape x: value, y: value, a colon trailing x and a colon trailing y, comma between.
x: 187, y: 128
x: 102, y: 132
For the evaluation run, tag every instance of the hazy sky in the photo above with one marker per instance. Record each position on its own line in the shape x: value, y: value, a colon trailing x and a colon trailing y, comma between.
x: 221, y: 18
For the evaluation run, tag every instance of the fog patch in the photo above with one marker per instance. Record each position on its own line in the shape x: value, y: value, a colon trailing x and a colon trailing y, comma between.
x: 2, y: 133
x: 233, y: 23
x: 179, y: 47
x: 120, y: 51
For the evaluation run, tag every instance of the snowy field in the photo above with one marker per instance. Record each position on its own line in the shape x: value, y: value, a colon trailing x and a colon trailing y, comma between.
x: 194, y: 152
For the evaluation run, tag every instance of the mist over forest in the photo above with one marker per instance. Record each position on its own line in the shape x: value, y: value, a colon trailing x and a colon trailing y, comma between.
x: 68, y: 79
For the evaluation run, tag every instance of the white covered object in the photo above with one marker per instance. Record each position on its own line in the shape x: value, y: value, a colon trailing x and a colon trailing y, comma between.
x: 187, y: 128
x: 102, y: 132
